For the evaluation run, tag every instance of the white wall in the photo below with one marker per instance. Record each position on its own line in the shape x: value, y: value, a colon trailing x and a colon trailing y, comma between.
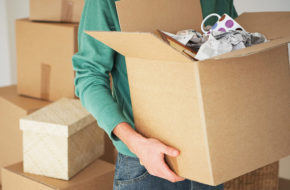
x: 262, y: 5
x: 12, y: 9
x: 5, y: 69
x: 9, y: 11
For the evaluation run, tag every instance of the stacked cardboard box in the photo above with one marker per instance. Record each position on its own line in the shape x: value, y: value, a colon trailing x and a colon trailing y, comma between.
x: 45, y: 45
x: 56, y: 10
x: 12, y: 108
x: 44, y: 53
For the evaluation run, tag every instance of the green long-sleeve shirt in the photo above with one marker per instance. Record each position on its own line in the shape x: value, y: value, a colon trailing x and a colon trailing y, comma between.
x: 94, y: 61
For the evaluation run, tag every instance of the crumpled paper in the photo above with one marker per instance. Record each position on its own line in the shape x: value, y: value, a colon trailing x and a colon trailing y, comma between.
x: 223, y: 42
x: 196, y: 40
x: 189, y: 38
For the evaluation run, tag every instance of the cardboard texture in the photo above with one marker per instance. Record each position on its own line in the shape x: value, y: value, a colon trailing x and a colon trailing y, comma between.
x: 44, y: 52
x: 223, y: 114
x: 265, y: 178
x: 97, y: 176
x: 56, y: 10
x: 12, y: 108
x: 60, y: 140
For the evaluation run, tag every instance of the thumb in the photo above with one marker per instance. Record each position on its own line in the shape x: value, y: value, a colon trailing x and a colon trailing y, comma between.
x: 170, y: 151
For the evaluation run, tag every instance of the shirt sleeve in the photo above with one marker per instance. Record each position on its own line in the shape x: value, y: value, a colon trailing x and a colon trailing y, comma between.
x: 93, y: 63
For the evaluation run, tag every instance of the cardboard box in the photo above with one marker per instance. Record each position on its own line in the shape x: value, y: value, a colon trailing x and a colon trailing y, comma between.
x: 97, y: 176
x: 265, y: 178
x: 13, y: 107
x: 44, y: 53
x: 228, y: 115
x: 56, y: 10
x: 110, y: 152
x: 60, y: 140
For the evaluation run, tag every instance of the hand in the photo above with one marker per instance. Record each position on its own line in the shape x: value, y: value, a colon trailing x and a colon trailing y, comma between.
x: 150, y: 152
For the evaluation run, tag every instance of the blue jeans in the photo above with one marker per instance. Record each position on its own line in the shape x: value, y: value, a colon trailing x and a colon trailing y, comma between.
x: 131, y: 175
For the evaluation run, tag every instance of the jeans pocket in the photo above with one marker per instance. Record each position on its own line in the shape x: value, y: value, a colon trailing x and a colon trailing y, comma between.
x: 129, y: 170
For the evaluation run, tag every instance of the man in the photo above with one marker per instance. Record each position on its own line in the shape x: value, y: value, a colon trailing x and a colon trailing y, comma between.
x: 140, y: 163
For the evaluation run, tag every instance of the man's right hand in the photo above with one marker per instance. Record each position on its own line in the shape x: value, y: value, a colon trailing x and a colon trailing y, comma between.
x: 151, y: 152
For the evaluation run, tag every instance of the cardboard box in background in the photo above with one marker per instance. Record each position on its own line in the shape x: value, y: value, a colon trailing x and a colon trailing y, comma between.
x: 265, y: 178
x: 110, y: 153
x: 60, y: 139
x: 56, y: 10
x: 223, y: 114
x: 97, y: 176
x: 44, y: 59
x: 12, y: 108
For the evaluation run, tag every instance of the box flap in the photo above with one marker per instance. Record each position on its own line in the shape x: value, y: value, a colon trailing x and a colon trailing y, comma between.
x: 140, y: 45
x: 272, y: 24
x: 149, y: 15
x: 254, y: 49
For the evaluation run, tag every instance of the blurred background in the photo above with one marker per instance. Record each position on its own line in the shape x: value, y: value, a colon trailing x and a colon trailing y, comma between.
x: 13, y: 9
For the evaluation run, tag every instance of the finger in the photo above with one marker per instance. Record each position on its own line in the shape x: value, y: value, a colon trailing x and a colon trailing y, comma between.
x: 168, y: 173
x: 170, y: 151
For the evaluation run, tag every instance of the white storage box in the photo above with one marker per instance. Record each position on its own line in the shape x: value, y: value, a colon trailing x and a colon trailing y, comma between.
x: 60, y: 140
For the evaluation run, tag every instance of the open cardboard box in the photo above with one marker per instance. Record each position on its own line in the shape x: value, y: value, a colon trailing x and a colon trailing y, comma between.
x: 228, y: 115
